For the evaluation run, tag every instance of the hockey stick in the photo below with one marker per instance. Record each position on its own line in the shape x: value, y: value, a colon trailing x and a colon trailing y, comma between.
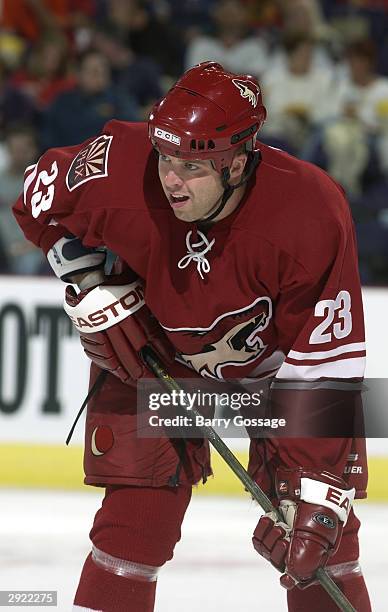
x: 257, y: 493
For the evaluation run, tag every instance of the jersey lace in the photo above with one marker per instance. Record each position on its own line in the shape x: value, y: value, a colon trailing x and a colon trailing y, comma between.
x: 197, y: 252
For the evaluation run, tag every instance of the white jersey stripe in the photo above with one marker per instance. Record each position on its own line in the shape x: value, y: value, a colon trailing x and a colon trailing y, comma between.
x: 343, y: 368
x: 317, y: 355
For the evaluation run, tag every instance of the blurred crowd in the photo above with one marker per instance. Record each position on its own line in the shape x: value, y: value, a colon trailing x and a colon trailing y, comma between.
x: 68, y: 66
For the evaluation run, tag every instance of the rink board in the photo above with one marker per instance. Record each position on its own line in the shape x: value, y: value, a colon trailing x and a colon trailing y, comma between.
x: 61, y: 468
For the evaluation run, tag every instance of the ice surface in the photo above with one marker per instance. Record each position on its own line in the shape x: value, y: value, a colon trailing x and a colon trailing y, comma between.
x: 44, y: 540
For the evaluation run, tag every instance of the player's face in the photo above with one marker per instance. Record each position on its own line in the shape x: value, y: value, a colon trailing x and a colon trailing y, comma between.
x: 193, y: 188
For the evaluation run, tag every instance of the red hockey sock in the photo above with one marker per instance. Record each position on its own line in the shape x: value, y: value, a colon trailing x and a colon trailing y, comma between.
x: 315, y: 597
x: 102, y: 590
x: 139, y: 525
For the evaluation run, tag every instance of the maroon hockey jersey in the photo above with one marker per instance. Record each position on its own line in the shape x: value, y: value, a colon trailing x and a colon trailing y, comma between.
x: 272, y: 289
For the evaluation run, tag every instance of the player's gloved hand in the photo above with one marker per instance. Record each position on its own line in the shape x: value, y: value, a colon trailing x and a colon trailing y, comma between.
x: 68, y: 257
x: 114, y: 324
x: 315, y: 507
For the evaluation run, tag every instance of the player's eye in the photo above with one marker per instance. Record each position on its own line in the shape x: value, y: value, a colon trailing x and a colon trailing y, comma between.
x: 190, y: 166
x: 164, y: 158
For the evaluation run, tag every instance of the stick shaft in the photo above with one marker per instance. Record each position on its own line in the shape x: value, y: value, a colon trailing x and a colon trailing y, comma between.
x: 252, y: 487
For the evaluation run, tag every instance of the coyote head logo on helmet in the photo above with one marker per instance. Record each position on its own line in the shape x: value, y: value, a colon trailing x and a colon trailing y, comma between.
x: 248, y: 90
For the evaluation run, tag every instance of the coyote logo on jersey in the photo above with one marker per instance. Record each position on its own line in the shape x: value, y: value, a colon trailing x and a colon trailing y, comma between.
x: 90, y: 163
x: 251, y: 92
x: 237, y: 346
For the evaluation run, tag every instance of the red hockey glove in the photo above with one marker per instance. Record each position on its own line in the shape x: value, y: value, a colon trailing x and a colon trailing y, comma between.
x: 315, y: 507
x: 114, y: 323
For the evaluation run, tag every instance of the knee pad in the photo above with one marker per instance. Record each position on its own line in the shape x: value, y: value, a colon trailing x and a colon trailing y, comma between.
x: 138, y: 525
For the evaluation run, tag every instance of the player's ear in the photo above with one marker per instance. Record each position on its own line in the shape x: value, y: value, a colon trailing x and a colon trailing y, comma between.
x: 237, y: 166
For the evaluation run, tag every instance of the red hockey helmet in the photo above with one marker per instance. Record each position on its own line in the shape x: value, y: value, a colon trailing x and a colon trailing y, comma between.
x: 208, y: 114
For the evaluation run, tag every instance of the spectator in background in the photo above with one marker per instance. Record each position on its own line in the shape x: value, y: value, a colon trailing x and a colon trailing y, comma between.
x: 14, y: 105
x: 364, y: 93
x: 360, y: 133
x: 22, y: 151
x: 188, y: 15
x: 82, y: 111
x: 297, y: 95
x: 304, y: 18
x: 31, y: 19
x: 145, y: 34
x: 47, y: 71
x: 264, y: 14
x: 137, y: 76
x: 233, y: 45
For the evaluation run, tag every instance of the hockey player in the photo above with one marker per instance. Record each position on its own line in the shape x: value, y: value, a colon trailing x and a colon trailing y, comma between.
x: 248, y: 261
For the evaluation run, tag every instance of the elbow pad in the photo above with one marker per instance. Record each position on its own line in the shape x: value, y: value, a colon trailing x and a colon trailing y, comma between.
x: 68, y: 257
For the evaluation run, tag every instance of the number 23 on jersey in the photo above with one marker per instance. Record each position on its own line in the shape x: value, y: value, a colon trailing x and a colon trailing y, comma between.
x: 43, y: 191
x: 329, y: 309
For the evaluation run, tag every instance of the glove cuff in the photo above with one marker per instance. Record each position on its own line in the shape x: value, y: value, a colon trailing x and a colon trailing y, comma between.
x: 315, y: 487
x: 103, y: 306
x: 68, y: 257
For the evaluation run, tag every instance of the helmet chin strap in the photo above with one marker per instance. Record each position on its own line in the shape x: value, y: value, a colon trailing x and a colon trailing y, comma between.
x: 253, y: 162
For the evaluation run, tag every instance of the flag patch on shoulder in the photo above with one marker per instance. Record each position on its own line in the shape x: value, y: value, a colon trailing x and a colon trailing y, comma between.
x: 90, y: 163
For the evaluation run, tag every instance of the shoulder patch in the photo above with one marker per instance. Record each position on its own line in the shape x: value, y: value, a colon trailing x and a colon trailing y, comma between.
x: 90, y: 163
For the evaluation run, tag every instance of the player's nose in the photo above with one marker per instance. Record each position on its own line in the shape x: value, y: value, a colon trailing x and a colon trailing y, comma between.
x: 172, y: 180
